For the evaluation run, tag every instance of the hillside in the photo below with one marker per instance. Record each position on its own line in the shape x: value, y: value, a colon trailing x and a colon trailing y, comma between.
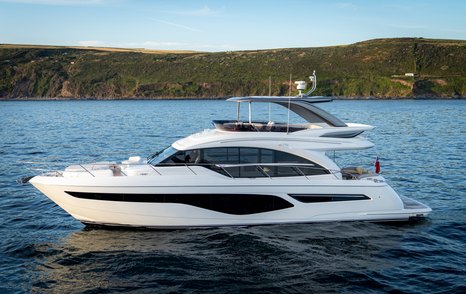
x: 374, y: 68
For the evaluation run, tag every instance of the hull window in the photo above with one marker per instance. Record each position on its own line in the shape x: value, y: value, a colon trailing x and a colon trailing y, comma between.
x: 238, y: 204
x: 316, y: 198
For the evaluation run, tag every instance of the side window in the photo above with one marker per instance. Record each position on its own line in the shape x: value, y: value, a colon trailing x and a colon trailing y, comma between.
x: 310, y: 169
x: 253, y: 156
x: 283, y: 157
x: 267, y: 155
x: 314, y: 170
x: 249, y: 155
x: 221, y: 155
x: 232, y: 155
x: 177, y: 158
x: 193, y: 156
x: 157, y: 158
x: 282, y: 171
x: 251, y: 162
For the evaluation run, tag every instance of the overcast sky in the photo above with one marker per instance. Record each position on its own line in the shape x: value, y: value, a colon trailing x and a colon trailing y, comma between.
x: 206, y: 25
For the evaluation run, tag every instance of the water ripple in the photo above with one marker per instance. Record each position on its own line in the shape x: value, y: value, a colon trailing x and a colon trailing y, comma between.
x: 421, y: 145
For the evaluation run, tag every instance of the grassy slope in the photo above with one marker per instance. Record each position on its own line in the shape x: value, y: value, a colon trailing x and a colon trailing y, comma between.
x: 373, y: 68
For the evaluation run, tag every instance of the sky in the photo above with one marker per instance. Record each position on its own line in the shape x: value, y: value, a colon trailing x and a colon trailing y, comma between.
x: 207, y: 25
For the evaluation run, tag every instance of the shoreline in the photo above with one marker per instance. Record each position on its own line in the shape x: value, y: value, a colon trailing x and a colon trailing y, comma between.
x: 214, y: 98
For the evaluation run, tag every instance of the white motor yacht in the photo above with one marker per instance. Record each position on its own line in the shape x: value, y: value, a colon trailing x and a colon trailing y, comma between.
x: 239, y: 173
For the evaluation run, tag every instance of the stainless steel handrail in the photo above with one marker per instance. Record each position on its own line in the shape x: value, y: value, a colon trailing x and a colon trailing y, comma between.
x: 87, y: 169
x: 272, y: 164
x: 292, y: 165
x: 223, y: 167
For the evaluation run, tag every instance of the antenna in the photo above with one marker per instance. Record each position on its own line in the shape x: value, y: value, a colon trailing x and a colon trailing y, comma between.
x: 313, y: 79
x: 301, y: 85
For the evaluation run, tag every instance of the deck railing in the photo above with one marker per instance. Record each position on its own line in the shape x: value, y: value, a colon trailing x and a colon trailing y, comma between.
x: 240, y: 170
x: 267, y: 170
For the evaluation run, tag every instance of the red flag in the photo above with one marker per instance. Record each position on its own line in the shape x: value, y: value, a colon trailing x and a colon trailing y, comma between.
x: 377, y: 165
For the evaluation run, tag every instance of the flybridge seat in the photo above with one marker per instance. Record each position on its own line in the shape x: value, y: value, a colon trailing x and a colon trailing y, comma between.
x: 238, y: 126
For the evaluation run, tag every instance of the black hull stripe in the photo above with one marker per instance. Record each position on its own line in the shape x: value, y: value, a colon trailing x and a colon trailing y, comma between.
x: 238, y: 204
x: 315, y: 198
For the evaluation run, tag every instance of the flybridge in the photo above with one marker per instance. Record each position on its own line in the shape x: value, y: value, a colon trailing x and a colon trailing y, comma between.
x: 320, y: 123
x: 301, y: 106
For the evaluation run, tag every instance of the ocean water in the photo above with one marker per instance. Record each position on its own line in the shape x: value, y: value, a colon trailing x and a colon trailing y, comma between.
x: 422, y: 150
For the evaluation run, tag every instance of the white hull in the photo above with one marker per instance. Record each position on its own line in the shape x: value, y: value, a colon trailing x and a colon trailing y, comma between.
x: 241, y: 173
x: 383, y: 205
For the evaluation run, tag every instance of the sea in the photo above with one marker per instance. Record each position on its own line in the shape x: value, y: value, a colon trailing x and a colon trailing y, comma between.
x: 421, y: 145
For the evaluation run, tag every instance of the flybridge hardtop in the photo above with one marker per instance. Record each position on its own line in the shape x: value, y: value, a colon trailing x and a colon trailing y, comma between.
x: 240, y: 173
x: 320, y: 123
x: 304, y: 107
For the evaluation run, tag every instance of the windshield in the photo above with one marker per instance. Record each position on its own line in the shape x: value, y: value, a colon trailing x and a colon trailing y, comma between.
x: 160, y: 156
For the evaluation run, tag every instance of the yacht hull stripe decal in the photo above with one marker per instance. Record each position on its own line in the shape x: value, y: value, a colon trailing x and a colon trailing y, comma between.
x: 315, y: 198
x: 238, y: 204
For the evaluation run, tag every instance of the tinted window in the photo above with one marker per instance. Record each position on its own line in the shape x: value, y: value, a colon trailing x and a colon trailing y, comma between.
x: 162, y: 155
x: 283, y: 171
x: 251, y: 158
x: 177, y: 158
x: 220, y: 155
x: 249, y: 155
x: 267, y: 155
x: 283, y: 157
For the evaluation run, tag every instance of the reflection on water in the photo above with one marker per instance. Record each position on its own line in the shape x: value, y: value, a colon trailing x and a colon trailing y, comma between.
x: 318, y: 256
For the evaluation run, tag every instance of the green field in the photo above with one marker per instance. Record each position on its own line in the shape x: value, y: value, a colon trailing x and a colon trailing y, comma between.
x: 370, y: 69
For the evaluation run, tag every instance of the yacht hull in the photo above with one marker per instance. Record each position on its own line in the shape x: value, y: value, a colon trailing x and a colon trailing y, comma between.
x: 241, y: 173
x: 211, y: 203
